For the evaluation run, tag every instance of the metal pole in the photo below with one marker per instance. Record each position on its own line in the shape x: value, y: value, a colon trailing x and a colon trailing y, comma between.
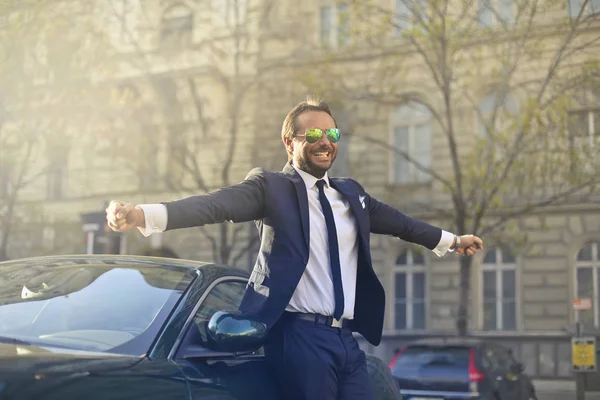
x: 579, y: 376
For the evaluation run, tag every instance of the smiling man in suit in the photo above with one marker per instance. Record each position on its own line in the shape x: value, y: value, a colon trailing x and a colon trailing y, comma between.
x: 313, y: 283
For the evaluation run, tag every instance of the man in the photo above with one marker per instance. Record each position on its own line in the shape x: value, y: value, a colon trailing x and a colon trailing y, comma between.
x: 313, y: 282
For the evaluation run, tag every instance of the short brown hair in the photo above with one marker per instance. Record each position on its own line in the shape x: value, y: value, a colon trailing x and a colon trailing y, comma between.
x: 312, y: 103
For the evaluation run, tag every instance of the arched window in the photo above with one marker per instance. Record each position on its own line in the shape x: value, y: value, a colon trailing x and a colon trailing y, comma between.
x: 177, y: 25
x: 412, y: 123
x: 588, y: 280
x: 496, y: 110
x: 499, y: 290
x: 410, y: 288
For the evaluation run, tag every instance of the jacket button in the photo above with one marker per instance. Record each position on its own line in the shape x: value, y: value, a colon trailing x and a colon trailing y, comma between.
x: 305, y: 261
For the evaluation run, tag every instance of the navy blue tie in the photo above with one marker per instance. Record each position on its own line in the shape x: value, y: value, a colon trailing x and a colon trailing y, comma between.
x: 334, y: 252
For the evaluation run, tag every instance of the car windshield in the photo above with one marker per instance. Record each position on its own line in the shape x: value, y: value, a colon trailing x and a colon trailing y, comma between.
x: 419, y: 356
x: 97, y: 305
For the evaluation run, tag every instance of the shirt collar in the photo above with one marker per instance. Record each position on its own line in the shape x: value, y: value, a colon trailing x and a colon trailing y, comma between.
x: 309, y: 180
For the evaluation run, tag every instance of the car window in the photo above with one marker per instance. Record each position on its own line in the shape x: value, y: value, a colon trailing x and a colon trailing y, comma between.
x: 86, y: 304
x: 225, y: 296
x: 419, y: 356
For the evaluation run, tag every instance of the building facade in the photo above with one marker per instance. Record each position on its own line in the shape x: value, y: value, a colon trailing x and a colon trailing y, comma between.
x: 212, y: 82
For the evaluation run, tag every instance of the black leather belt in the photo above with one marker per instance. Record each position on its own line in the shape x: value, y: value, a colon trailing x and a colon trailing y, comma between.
x: 321, y: 319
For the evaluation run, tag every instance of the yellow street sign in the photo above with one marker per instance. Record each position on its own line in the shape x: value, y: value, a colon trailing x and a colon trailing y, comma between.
x: 584, y: 354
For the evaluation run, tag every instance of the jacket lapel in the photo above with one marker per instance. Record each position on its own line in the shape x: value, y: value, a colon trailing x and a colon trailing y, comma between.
x: 360, y: 213
x: 302, y: 199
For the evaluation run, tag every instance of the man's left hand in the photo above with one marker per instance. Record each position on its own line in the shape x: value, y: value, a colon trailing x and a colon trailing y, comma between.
x: 469, y: 245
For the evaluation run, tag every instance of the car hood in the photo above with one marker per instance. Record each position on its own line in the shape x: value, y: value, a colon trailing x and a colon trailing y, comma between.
x: 16, y: 359
x: 32, y: 373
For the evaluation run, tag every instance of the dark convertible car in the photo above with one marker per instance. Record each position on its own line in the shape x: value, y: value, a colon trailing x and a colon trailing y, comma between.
x: 126, y: 327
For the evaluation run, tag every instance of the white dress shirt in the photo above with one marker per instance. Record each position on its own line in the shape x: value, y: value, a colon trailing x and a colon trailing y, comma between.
x: 314, y: 293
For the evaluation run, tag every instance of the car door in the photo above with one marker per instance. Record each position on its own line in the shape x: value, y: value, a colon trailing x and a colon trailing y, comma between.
x: 217, y: 375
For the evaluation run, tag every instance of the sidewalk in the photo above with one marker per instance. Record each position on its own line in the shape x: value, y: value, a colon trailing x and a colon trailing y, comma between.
x: 560, y: 390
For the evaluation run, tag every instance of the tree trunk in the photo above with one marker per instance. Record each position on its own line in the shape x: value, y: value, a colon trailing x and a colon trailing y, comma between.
x: 462, y: 319
x: 224, y: 246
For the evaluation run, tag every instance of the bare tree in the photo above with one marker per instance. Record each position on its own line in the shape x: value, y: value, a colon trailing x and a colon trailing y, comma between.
x: 46, y: 97
x: 442, y: 57
x: 203, y: 112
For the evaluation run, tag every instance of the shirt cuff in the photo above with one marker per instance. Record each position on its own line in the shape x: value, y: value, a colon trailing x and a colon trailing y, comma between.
x: 155, y: 216
x: 444, y: 244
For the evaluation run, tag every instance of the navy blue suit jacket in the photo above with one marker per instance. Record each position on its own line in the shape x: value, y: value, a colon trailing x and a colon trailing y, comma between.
x: 278, y: 203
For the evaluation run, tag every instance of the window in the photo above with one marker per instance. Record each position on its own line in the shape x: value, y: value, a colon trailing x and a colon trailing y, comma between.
x: 411, y: 135
x: 495, y: 12
x: 587, y: 281
x: 499, y: 292
x: 574, y: 8
x: 496, y: 111
x: 409, y: 289
x: 584, y: 121
x: 334, y: 25
x: 584, y: 131
x: 585, y: 124
x: 177, y: 25
x: 225, y: 296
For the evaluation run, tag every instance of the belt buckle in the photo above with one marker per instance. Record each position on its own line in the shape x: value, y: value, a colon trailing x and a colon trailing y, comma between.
x: 337, y: 324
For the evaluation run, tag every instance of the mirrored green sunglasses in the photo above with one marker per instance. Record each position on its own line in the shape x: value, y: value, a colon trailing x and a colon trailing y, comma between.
x: 313, y: 135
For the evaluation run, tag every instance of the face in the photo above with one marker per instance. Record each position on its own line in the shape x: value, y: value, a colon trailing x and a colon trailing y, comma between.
x: 314, y: 158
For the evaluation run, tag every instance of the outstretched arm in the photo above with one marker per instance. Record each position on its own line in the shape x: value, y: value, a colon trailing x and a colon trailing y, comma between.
x: 387, y: 220
x: 237, y: 203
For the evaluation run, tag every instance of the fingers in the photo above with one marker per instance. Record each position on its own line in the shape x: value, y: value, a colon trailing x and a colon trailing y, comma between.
x: 470, y: 245
x: 477, y: 242
x: 116, y: 215
x: 111, y: 218
x: 124, y: 210
x: 467, y: 251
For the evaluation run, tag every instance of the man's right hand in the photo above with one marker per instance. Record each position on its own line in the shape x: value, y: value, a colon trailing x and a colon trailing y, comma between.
x: 122, y: 217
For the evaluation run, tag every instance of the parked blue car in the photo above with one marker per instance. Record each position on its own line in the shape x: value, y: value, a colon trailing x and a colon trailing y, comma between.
x: 126, y: 327
x: 460, y: 369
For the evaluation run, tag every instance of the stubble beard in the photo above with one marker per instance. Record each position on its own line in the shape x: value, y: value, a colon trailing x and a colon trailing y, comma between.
x: 308, y: 166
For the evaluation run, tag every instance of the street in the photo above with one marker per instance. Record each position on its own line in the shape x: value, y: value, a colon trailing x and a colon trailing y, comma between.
x: 560, y: 390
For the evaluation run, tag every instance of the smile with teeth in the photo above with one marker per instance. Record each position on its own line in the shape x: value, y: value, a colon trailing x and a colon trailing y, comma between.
x: 321, y: 154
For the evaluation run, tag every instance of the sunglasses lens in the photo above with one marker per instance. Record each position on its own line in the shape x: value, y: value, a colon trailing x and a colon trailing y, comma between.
x: 333, y: 135
x: 313, y: 135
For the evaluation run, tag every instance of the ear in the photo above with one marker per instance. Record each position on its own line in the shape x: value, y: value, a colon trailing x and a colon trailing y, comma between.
x: 289, y: 145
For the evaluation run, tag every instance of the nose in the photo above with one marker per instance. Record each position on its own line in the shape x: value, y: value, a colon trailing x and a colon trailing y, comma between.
x: 324, y: 141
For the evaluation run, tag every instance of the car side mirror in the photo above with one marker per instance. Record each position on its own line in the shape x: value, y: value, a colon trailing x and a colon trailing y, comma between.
x: 235, y: 333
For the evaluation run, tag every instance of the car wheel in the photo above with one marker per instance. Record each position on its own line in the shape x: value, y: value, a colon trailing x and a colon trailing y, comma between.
x: 383, y: 384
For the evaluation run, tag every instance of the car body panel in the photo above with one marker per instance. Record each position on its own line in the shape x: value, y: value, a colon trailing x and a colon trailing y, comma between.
x: 30, y: 372
x: 239, y: 378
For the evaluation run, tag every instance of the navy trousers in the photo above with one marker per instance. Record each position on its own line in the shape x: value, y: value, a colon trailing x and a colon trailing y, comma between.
x: 312, y: 361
